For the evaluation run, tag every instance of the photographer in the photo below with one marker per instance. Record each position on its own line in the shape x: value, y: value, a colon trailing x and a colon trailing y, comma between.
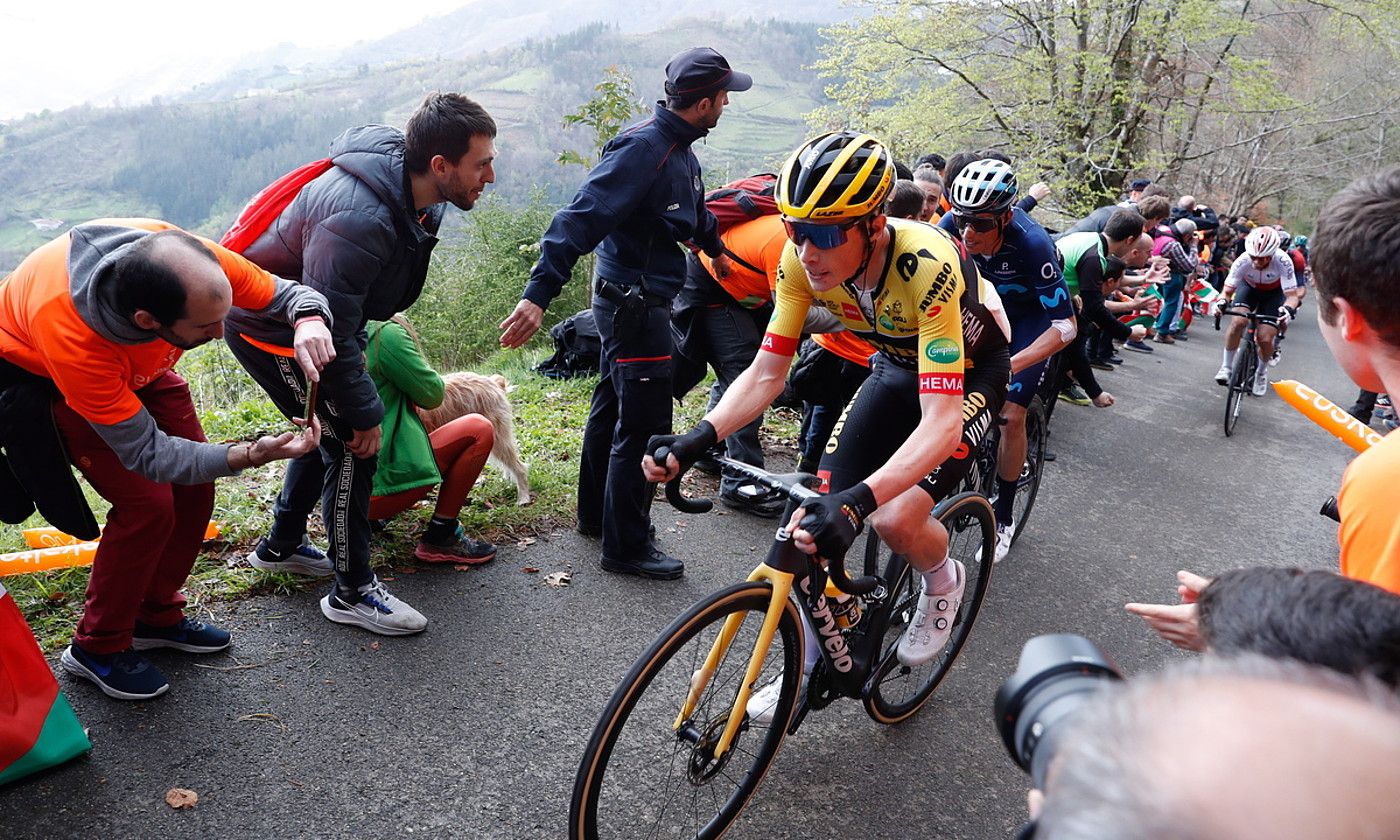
x: 1227, y: 748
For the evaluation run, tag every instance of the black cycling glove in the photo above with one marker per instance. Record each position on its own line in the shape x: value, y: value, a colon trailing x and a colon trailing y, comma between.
x: 688, y: 448
x: 835, y: 519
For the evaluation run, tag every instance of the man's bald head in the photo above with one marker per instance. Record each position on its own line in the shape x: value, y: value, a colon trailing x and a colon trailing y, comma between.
x: 171, y: 284
x: 1230, y: 748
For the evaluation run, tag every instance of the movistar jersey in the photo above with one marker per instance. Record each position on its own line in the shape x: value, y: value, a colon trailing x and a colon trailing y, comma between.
x: 929, y: 311
x: 1026, y: 271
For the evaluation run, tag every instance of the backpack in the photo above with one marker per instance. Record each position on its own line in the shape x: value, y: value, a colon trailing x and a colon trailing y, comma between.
x: 577, y: 348
x: 741, y: 201
x: 269, y: 203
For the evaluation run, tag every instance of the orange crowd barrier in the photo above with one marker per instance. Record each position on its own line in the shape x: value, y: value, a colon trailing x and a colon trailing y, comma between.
x: 1328, y: 415
x: 53, y: 549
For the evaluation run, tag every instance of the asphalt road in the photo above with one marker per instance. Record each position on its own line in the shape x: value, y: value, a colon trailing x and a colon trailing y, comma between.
x: 475, y: 728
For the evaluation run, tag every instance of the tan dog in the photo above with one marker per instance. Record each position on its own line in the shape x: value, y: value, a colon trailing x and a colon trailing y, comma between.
x: 472, y: 393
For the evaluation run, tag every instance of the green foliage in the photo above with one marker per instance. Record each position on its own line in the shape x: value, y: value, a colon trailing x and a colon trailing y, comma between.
x: 476, y: 280
x: 613, y: 105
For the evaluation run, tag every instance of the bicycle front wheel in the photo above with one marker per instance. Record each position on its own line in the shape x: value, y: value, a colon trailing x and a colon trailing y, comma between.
x: 900, y: 690
x: 1028, y: 485
x: 1241, y: 378
x: 643, y: 777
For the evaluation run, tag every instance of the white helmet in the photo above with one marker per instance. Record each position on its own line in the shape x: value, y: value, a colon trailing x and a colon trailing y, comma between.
x: 1261, y: 242
x: 983, y: 186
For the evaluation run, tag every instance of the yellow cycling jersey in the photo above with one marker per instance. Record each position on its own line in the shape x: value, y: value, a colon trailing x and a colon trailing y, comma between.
x: 930, y: 310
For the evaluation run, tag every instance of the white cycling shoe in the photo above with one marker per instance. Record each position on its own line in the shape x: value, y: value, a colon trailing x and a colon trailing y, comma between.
x: 1222, y: 376
x: 764, y: 702
x: 932, y: 623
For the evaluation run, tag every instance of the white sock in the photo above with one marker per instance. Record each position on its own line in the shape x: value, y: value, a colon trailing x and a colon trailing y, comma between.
x: 941, y: 579
x: 1230, y: 358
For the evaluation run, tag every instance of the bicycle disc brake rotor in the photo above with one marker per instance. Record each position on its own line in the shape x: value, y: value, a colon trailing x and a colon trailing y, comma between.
x: 702, y: 766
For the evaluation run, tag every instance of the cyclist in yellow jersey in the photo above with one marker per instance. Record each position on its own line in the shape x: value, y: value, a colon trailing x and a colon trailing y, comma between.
x: 937, y: 382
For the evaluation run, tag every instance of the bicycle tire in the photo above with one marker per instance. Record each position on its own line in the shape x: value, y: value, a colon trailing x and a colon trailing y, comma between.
x: 898, y: 691
x: 1241, y: 372
x: 1028, y: 484
x: 616, y: 789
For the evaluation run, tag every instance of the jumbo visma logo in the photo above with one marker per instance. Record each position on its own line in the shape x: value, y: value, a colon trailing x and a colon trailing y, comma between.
x: 943, y: 351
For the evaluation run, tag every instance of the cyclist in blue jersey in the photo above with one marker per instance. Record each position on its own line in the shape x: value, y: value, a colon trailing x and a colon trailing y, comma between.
x: 1018, y: 257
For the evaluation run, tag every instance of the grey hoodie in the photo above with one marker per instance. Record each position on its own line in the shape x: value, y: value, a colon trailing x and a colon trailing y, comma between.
x: 138, y: 443
x: 351, y: 235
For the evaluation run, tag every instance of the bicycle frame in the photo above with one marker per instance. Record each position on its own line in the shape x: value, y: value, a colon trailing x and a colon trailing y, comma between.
x: 847, y: 660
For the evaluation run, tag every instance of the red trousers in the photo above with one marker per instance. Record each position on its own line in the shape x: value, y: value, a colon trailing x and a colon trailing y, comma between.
x: 154, y: 531
x: 460, y: 448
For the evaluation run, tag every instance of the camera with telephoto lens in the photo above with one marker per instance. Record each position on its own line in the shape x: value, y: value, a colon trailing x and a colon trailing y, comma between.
x: 1056, y: 675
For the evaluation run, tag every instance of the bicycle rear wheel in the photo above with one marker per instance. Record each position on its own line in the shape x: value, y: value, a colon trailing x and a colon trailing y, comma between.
x: 641, y: 777
x: 1028, y: 485
x: 899, y: 691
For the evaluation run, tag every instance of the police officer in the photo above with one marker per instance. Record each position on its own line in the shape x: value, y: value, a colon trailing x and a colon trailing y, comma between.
x: 644, y: 196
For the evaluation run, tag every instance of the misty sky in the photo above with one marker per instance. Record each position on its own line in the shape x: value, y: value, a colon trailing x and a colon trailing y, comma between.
x: 58, y: 54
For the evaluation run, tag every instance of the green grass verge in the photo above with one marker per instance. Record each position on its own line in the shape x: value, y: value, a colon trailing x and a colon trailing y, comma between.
x: 550, y: 416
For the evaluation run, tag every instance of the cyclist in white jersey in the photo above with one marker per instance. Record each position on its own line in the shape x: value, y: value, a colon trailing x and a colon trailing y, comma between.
x: 1262, y: 278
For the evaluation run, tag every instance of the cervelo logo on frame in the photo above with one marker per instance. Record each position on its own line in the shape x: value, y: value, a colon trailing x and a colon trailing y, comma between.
x: 825, y: 623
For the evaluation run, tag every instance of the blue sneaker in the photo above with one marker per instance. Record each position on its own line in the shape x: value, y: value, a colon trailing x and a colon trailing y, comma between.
x: 124, y: 676
x: 306, y: 559
x: 1139, y: 346
x: 189, y: 635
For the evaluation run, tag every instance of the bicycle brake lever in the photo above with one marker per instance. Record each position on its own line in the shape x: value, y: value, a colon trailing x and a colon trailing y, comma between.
x: 679, y: 500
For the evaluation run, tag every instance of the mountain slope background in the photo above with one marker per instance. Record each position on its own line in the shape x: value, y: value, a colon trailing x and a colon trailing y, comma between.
x: 196, y: 158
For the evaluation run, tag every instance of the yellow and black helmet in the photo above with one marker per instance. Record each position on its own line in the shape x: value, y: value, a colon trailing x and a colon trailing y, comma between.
x: 837, y: 176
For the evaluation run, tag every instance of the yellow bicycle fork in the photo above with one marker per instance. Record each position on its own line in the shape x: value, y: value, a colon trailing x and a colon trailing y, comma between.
x: 777, y: 602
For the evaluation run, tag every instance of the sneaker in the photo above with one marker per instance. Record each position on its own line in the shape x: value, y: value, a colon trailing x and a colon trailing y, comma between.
x: 375, y: 609
x: 1004, y: 535
x: 764, y: 702
x: 1114, y: 359
x: 1163, y: 338
x: 461, y: 550
x: 1100, y: 364
x: 1273, y: 360
x: 124, y: 676
x: 306, y: 559
x: 1222, y: 376
x: 932, y: 623
x: 751, y: 498
x: 1139, y: 346
x: 1075, y: 394
x: 1261, y: 383
x: 707, y: 464
x: 1181, y: 336
x: 189, y: 635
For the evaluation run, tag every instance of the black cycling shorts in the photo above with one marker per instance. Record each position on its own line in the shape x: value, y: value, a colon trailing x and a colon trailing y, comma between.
x: 886, y: 410
x: 1260, y: 301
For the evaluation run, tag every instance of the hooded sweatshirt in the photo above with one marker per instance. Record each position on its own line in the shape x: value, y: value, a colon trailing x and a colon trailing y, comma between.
x: 353, y: 236
x: 58, y: 319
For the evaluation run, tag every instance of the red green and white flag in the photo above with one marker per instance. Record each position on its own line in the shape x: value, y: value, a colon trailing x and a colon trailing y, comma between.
x: 37, y: 726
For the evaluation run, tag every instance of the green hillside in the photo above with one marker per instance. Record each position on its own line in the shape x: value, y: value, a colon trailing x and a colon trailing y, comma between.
x: 196, y: 163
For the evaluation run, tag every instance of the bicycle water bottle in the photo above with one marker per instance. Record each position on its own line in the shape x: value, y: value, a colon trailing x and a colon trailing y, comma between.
x: 845, y: 608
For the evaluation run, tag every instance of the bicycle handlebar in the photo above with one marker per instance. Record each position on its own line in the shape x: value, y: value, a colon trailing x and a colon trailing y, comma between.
x: 1231, y: 309
x: 796, y: 486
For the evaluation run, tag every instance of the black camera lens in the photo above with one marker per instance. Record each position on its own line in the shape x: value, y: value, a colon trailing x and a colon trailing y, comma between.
x: 1056, y: 674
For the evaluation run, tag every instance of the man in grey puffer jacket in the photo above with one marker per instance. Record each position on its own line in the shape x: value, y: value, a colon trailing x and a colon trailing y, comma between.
x: 361, y: 234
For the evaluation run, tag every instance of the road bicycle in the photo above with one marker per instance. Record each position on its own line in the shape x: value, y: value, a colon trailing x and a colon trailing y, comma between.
x: 982, y: 477
x: 1246, y: 365
x: 675, y: 753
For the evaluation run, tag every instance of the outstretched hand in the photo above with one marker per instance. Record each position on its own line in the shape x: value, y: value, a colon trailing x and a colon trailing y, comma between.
x: 1177, y: 623
x: 521, y: 324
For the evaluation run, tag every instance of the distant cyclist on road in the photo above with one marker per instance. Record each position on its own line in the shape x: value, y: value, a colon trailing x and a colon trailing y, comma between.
x: 1019, y: 258
x: 936, y: 385
x: 1261, y: 278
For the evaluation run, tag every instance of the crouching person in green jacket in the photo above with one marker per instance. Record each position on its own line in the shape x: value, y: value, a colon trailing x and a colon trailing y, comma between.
x: 413, y: 461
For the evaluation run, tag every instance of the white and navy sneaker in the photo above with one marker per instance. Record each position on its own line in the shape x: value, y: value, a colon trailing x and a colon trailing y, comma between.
x: 932, y: 623
x: 1222, y: 376
x: 1261, y: 383
x: 375, y: 609
x: 123, y: 676
x: 189, y: 636
x: 306, y: 559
